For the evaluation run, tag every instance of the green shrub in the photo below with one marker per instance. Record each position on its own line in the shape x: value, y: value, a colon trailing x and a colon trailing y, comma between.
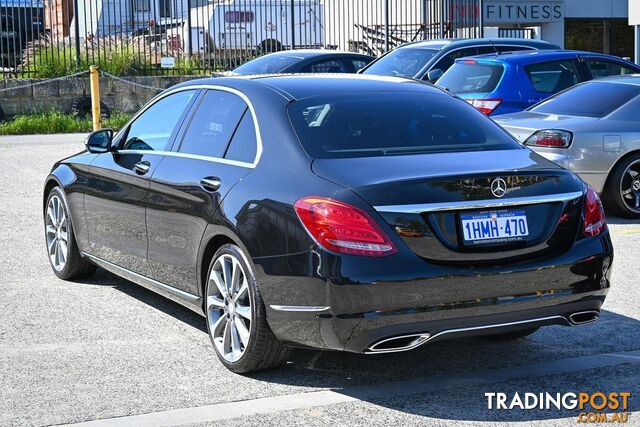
x: 56, y: 122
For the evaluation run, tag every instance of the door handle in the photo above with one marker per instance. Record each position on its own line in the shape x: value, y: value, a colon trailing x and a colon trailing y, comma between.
x: 211, y: 183
x: 142, y: 168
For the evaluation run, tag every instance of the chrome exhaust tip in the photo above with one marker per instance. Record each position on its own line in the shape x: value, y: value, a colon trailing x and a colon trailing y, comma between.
x: 401, y: 343
x: 583, y: 317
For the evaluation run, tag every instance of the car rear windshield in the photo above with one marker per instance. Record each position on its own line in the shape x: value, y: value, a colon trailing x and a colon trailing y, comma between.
x: 467, y: 77
x: 404, y: 62
x: 266, y: 65
x: 386, y: 124
x: 591, y: 99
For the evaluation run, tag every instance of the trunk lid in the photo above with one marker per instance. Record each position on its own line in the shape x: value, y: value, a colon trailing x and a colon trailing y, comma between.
x: 428, y: 200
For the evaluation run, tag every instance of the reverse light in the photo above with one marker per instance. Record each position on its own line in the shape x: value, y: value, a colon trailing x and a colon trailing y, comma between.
x: 594, y: 218
x: 343, y: 228
x: 485, y: 106
x: 555, y: 138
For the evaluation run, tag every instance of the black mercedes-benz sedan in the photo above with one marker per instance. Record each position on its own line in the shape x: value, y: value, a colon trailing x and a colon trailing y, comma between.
x: 355, y: 213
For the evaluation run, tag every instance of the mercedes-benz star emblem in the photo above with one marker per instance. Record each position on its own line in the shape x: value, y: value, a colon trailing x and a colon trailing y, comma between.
x: 499, y: 187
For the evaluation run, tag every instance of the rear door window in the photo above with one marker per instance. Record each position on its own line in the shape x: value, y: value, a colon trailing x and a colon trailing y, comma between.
x: 326, y: 66
x: 359, y: 64
x: 602, y: 68
x: 445, y: 63
x: 244, y: 144
x: 471, y: 78
x: 213, y: 124
x: 552, y: 76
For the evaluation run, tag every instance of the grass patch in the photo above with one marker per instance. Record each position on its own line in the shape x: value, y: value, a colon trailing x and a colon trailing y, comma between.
x: 56, y: 122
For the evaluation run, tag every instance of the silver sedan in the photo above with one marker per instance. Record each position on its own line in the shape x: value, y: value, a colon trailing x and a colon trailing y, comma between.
x: 592, y: 129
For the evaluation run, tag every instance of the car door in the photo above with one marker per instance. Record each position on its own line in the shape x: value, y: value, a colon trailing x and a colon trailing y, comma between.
x: 190, y: 184
x: 118, y: 185
x: 598, y: 67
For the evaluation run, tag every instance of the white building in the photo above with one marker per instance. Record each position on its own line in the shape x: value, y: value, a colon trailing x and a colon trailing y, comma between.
x: 594, y: 25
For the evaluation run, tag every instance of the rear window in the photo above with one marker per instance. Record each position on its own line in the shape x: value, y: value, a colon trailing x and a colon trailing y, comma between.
x: 404, y: 62
x: 592, y: 99
x: 465, y: 77
x: 386, y: 124
x: 267, y: 65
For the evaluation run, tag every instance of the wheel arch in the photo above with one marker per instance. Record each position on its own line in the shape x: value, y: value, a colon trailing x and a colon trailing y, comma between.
x: 214, y: 238
x: 62, y: 176
x: 617, y: 163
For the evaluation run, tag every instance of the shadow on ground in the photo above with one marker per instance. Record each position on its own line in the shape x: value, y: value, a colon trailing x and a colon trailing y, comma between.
x: 347, y: 372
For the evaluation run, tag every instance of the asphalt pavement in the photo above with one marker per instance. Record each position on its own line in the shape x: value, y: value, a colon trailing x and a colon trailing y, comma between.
x: 108, y: 352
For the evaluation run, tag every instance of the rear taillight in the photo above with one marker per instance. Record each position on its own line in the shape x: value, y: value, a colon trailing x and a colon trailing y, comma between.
x: 343, y: 228
x: 594, y: 219
x: 485, y: 106
x: 550, y: 138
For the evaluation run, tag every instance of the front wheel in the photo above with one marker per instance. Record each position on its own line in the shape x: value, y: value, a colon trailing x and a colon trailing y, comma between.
x: 62, y: 249
x: 622, y: 192
x: 236, y: 317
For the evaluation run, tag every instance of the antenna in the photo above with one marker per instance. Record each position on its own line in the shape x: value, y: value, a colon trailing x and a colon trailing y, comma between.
x: 493, y: 46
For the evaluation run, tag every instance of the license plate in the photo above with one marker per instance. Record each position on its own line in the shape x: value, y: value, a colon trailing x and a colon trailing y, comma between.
x: 494, y: 227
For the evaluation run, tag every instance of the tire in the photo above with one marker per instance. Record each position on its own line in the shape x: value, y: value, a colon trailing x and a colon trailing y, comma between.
x: 515, y: 335
x: 269, y: 46
x: 70, y: 265
x: 81, y: 107
x: 620, y: 180
x: 2, y: 116
x: 227, y: 321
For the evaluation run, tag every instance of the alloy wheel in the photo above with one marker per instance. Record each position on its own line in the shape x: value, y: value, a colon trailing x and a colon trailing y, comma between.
x: 228, y: 305
x: 630, y: 187
x: 57, y: 231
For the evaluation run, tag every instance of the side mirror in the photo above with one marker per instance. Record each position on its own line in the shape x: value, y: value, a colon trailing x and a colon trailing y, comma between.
x: 434, y: 75
x: 99, y: 141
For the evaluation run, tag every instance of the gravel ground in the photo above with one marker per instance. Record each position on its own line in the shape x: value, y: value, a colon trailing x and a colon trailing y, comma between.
x: 104, y: 348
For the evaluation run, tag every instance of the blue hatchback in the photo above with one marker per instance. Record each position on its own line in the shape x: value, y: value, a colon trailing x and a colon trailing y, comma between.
x: 510, y: 82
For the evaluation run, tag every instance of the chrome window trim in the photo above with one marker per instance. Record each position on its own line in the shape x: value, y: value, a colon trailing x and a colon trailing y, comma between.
x: 479, y: 204
x: 245, y: 98
x: 190, y: 156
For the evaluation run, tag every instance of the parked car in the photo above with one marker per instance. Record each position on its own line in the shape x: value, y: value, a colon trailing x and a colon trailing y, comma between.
x: 334, y: 212
x: 510, y: 82
x: 592, y: 129
x: 429, y: 59
x: 305, y: 61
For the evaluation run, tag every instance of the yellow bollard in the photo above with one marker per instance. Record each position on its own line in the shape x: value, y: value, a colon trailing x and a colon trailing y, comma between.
x: 94, y: 79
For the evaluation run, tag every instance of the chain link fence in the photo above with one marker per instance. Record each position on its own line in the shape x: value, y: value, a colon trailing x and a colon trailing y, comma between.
x: 52, y: 38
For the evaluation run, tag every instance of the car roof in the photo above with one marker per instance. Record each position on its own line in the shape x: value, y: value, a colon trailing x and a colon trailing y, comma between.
x: 310, y: 53
x: 297, y: 86
x: 457, y: 43
x: 630, y: 79
x: 533, y: 56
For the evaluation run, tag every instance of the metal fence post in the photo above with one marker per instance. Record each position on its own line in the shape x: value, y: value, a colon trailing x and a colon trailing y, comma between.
x: 293, y: 25
x: 442, y: 19
x: 76, y: 27
x: 425, y: 18
x: 386, y: 25
x: 481, y: 17
x: 189, y: 31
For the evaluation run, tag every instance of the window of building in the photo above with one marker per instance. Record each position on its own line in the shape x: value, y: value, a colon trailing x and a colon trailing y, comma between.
x: 610, y: 36
x: 141, y: 6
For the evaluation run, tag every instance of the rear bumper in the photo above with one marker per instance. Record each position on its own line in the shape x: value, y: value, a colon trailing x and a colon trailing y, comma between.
x: 354, y: 303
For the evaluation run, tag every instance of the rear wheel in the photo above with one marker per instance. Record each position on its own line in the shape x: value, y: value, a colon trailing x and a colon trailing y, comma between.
x: 515, y: 335
x: 622, y: 192
x: 62, y: 249
x: 236, y: 318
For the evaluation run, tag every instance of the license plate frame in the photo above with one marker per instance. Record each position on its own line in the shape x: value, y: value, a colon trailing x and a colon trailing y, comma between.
x: 494, y: 227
